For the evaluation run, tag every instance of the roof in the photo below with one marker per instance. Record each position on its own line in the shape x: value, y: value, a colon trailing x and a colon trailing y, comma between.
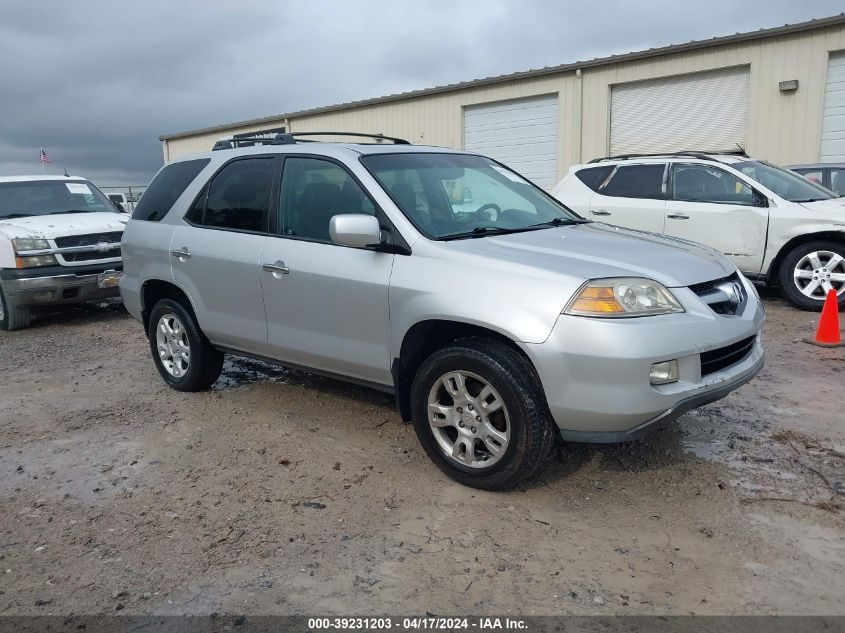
x: 786, y: 29
x: 34, y: 178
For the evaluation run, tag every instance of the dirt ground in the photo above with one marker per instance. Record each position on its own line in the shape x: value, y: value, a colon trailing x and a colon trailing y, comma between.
x: 282, y: 493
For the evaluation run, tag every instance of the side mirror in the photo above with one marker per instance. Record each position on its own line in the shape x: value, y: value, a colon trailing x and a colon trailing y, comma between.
x: 355, y: 229
x: 758, y: 199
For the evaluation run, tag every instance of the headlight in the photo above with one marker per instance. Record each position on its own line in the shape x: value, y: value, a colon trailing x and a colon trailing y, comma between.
x: 27, y: 244
x: 622, y: 297
x: 36, y: 260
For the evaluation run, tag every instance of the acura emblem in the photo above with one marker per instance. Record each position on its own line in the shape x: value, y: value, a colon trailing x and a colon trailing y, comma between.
x: 733, y: 290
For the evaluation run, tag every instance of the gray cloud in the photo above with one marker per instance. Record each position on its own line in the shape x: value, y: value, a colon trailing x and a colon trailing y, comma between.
x: 96, y: 86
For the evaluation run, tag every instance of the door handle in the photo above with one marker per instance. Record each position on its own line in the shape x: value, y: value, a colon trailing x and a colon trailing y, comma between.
x: 184, y: 253
x: 277, y: 268
x: 678, y: 216
x: 601, y: 212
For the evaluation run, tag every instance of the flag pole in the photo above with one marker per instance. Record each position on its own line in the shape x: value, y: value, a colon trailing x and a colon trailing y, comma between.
x: 41, y: 159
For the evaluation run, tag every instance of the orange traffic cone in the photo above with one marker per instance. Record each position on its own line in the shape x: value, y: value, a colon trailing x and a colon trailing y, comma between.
x: 827, y: 334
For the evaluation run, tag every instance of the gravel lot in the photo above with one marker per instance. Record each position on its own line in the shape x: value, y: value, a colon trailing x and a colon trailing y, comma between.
x: 278, y: 492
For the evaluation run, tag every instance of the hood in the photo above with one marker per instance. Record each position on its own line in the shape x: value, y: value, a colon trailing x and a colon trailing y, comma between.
x: 835, y: 207
x: 52, y: 226
x: 595, y: 250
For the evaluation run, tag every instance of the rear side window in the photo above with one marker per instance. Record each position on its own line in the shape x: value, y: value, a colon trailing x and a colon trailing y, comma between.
x: 594, y: 176
x: 837, y: 181
x: 166, y: 188
x: 238, y: 198
x: 636, y: 181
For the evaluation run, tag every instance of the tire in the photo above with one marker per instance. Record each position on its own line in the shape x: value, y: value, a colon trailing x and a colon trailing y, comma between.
x: 799, y: 261
x: 523, y: 419
x: 13, y: 317
x: 187, y: 361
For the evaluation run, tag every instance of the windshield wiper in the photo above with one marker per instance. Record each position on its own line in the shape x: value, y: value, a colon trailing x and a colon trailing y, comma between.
x: 809, y: 200
x: 70, y: 211
x: 17, y: 215
x: 561, y: 222
x: 483, y: 231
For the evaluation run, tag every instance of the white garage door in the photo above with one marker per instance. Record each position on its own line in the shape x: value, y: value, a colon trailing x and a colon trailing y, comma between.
x: 704, y: 111
x: 833, y: 124
x: 522, y: 134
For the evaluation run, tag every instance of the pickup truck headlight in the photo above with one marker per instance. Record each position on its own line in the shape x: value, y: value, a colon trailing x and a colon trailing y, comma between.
x: 24, y: 244
x: 28, y: 244
x: 35, y: 260
x: 622, y: 297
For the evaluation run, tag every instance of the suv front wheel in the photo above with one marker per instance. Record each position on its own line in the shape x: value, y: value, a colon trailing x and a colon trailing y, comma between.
x: 480, y: 415
x: 809, y: 271
x: 183, y: 355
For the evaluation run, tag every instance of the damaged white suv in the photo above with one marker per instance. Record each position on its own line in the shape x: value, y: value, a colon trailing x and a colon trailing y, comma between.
x: 777, y: 227
x: 59, y: 244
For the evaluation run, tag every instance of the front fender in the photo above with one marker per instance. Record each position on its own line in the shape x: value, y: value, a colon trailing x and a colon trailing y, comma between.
x: 781, y: 234
x: 520, y: 307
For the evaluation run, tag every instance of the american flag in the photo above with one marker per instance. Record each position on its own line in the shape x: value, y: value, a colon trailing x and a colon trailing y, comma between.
x: 45, y: 160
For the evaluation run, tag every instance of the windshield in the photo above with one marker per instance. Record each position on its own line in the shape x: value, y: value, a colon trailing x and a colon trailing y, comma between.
x: 448, y: 196
x: 50, y: 197
x: 786, y: 184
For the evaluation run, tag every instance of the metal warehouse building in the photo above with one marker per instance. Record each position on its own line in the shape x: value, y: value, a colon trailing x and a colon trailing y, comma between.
x: 779, y: 93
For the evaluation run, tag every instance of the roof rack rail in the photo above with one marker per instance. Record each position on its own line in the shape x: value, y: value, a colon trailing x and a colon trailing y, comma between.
x: 291, y: 138
x: 699, y: 154
x: 377, y: 137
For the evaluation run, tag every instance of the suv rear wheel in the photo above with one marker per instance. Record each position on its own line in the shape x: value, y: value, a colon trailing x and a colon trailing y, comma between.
x: 810, y: 270
x: 183, y: 355
x: 480, y: 415
x: 13, y: 317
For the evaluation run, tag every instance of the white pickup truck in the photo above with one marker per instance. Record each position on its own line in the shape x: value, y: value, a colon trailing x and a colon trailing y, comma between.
x: 59, y: 244
x: 777, y: 227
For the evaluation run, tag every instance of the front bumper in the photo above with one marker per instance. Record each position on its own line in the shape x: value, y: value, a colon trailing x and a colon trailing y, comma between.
x: 55, y: 285
x: 595, y: 372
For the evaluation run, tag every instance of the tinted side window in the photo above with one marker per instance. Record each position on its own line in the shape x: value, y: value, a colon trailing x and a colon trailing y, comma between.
x: 166, y: 188
x: 594, y: 176
x: 813, y: 175
x: 313, y: 191
x: 636, y: 181
x: 238, y: 196
x: 837, y: 181
x: 701, y: 183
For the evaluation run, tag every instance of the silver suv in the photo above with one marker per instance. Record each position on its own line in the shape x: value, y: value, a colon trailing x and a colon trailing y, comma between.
x: 499, y: 318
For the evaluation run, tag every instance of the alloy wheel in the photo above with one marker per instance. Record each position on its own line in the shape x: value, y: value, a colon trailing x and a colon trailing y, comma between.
x: 818, y: 272
x: 173, y: 346
x: 469, y: 419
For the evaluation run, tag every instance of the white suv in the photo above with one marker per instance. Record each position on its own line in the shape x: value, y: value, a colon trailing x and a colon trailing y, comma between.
x: 777, y: 227
x: 59, y: 243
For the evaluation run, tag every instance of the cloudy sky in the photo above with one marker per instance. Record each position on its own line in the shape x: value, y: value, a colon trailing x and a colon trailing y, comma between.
x: 96, y: 82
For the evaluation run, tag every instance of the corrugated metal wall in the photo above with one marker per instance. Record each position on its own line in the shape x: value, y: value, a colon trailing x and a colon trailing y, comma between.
x: 783, y: 128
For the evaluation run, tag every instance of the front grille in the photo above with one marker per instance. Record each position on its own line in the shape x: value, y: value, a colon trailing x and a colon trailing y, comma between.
x: 85, y: 257
x: 89, y: 240
x: 716, y: 299
x: 722, y: 358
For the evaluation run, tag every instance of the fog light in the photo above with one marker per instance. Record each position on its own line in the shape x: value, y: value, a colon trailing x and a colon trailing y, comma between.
x: 663, y: 373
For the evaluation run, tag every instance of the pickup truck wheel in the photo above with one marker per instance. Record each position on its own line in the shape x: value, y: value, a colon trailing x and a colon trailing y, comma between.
x: 480, y: 414
x: 183, y: 355
x: 810, y: 270
x: 13, y: 317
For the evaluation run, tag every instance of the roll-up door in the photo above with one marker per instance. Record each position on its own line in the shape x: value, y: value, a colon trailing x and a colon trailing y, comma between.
x: 833, y: 119
x: 704, y: 111
x: 522, y: 134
